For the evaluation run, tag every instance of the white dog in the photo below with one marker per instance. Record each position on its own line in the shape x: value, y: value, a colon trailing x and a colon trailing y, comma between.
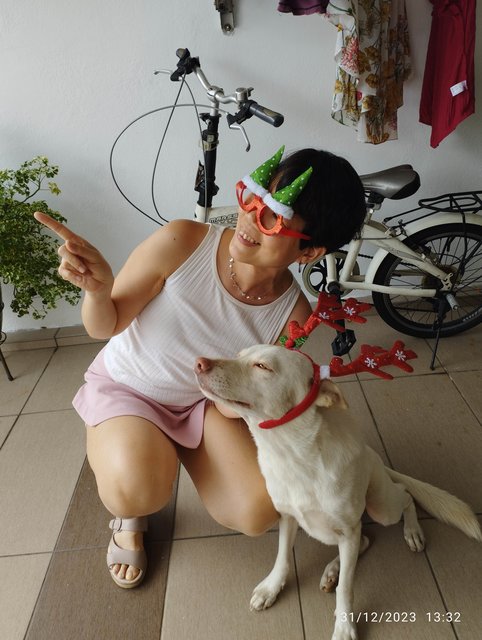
x: 318, y: 471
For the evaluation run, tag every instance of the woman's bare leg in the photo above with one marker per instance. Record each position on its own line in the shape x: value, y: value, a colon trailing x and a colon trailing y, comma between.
x: 225, y: 471
x: 135, y: 466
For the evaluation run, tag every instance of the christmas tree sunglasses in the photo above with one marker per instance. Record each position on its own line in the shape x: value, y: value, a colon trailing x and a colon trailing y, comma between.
x: 271, y: 208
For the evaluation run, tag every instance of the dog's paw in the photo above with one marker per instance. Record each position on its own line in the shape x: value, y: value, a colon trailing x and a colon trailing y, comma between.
x: 329, y: 579
x: 264, y: 595
x: 414, y: 537
x: 345, y: 631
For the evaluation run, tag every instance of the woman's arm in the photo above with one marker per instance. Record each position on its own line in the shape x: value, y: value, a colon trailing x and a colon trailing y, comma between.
x: 110, y: 304
x: 150, y: 264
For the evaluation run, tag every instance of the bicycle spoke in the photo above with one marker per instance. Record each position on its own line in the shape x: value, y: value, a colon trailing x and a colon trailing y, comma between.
x: 456, y: 250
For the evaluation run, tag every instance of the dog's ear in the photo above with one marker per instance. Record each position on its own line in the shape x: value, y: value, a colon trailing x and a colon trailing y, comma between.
x: 330, y: 395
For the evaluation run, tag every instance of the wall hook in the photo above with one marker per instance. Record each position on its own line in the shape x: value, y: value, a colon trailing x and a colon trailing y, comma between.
x: 226, y: 9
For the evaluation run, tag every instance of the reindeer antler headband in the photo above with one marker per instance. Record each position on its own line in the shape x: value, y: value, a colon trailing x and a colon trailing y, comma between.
x: 329, y: 310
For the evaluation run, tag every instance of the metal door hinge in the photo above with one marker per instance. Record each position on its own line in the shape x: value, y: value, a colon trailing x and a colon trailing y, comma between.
x: 226, y: 9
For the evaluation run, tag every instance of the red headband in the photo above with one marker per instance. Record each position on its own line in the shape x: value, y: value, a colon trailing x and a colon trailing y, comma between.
x: 303, y: 405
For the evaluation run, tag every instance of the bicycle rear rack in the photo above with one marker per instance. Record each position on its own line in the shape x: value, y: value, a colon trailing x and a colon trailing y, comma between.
x: 461, y: 202
x: 466, y: 201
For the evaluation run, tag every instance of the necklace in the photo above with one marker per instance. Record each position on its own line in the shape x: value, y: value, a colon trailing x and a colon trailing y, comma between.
x: 232, y: 275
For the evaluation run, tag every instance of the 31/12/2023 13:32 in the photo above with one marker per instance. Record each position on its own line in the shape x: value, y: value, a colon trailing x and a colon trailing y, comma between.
x: 402, y: 616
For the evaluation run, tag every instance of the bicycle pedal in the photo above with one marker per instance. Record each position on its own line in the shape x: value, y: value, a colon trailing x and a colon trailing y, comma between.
x: 343, y: 342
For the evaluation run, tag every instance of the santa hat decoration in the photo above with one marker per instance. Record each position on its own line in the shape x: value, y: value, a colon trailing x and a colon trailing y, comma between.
x: 258, y: 181
x: 281, y: 201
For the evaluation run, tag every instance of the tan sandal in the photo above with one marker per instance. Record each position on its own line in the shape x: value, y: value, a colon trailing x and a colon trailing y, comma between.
x: 117, y: 555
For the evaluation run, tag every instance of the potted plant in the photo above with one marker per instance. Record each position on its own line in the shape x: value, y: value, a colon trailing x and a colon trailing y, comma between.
x: 28, y: 254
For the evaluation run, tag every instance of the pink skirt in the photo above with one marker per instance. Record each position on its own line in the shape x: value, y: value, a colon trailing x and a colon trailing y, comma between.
x: 100, y: 399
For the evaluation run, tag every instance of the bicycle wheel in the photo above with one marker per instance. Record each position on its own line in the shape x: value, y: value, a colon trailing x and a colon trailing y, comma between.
x: 447, y: 244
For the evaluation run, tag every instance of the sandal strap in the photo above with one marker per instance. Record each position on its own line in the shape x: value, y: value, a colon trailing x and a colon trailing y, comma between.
x: 128, y: 524
x: 117, y: 555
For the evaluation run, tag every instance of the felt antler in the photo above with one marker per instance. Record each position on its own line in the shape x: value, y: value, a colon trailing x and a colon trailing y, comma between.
x: 371, y: 359
x: 328, y: 310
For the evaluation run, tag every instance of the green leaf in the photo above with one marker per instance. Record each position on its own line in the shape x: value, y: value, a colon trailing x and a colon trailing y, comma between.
x: 28, y: 252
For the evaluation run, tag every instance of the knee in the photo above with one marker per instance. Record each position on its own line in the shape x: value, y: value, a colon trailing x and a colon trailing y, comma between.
x: 126, y: 490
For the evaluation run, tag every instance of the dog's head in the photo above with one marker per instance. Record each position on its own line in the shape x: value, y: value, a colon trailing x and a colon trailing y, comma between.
x: 264, y: 382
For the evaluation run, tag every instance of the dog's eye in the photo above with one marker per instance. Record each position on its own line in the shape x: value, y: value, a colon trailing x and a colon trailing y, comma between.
x: 260, y: 365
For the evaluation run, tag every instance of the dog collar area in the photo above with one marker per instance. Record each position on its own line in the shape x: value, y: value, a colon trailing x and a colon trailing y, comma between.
x: 307, y: 400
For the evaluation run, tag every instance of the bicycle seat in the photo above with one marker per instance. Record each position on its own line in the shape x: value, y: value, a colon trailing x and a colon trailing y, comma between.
x: 395, y: 183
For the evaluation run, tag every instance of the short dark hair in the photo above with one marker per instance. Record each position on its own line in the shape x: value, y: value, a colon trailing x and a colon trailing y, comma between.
x: 332, y: 204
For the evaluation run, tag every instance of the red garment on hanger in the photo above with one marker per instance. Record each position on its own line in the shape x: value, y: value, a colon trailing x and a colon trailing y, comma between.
x: 302, y: 7
x: 448, y: 91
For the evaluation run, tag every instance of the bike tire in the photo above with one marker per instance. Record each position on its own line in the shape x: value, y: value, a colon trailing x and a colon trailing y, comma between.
x: 416, y: 316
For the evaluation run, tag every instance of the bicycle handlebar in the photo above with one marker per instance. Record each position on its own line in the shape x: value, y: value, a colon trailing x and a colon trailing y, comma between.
x: 247, y: 108
x: 263, y: 113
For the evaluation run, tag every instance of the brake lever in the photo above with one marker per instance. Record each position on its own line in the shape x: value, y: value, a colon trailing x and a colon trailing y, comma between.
x: 235, y: 125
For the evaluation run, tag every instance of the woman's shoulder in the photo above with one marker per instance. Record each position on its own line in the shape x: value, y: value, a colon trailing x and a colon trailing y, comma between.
x: 185, y: 232
x: 170, y: 245
x: 179, y: 238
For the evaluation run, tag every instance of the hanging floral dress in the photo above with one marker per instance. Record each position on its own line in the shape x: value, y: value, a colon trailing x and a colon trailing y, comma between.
x: 373, y: 61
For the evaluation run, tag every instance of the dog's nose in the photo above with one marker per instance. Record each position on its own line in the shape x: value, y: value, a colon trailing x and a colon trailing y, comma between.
x: 202, y: 365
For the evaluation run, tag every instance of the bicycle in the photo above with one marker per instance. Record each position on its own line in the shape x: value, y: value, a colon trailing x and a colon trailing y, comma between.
x: 431, y: 260
x: 426, y: 277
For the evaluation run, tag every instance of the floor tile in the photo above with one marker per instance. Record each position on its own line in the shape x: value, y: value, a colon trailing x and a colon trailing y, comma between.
x: 80, y: 601
x: 430, y: 433
x: 26, y: 367
x: 39, y: 466
x: 5, y: 426
x: 34, y: 335
x: 76, y: 340
x: 8, y: 347
x: 209, y: 589
x: 462, y: 352
x: 457, y: 565
x: 22, y: 578
x: 66, y: 336
x: 68, y: 332
x: 389, y: 578
x: 30, y: 339
x: 62, y: 379
x: 469, y: 383
x: 192, y: 520
x: 86, y: 523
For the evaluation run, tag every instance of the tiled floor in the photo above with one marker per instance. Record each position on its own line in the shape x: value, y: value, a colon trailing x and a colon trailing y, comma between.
x: 55, y: 584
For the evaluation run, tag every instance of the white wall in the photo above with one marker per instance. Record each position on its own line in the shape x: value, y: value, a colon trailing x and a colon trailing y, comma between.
x: 75, y: 73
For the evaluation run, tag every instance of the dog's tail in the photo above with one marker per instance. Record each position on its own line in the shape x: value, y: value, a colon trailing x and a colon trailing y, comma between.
x: 440, y: 504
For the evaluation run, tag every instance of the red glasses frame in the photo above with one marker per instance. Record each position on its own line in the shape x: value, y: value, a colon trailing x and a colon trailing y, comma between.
x: 257, y: 204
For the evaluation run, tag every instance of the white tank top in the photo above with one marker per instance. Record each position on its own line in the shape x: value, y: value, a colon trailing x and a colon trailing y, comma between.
x: 193, y: 315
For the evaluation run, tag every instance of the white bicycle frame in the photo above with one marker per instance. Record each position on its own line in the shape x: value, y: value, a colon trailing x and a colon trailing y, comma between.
x: 384, y: 238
